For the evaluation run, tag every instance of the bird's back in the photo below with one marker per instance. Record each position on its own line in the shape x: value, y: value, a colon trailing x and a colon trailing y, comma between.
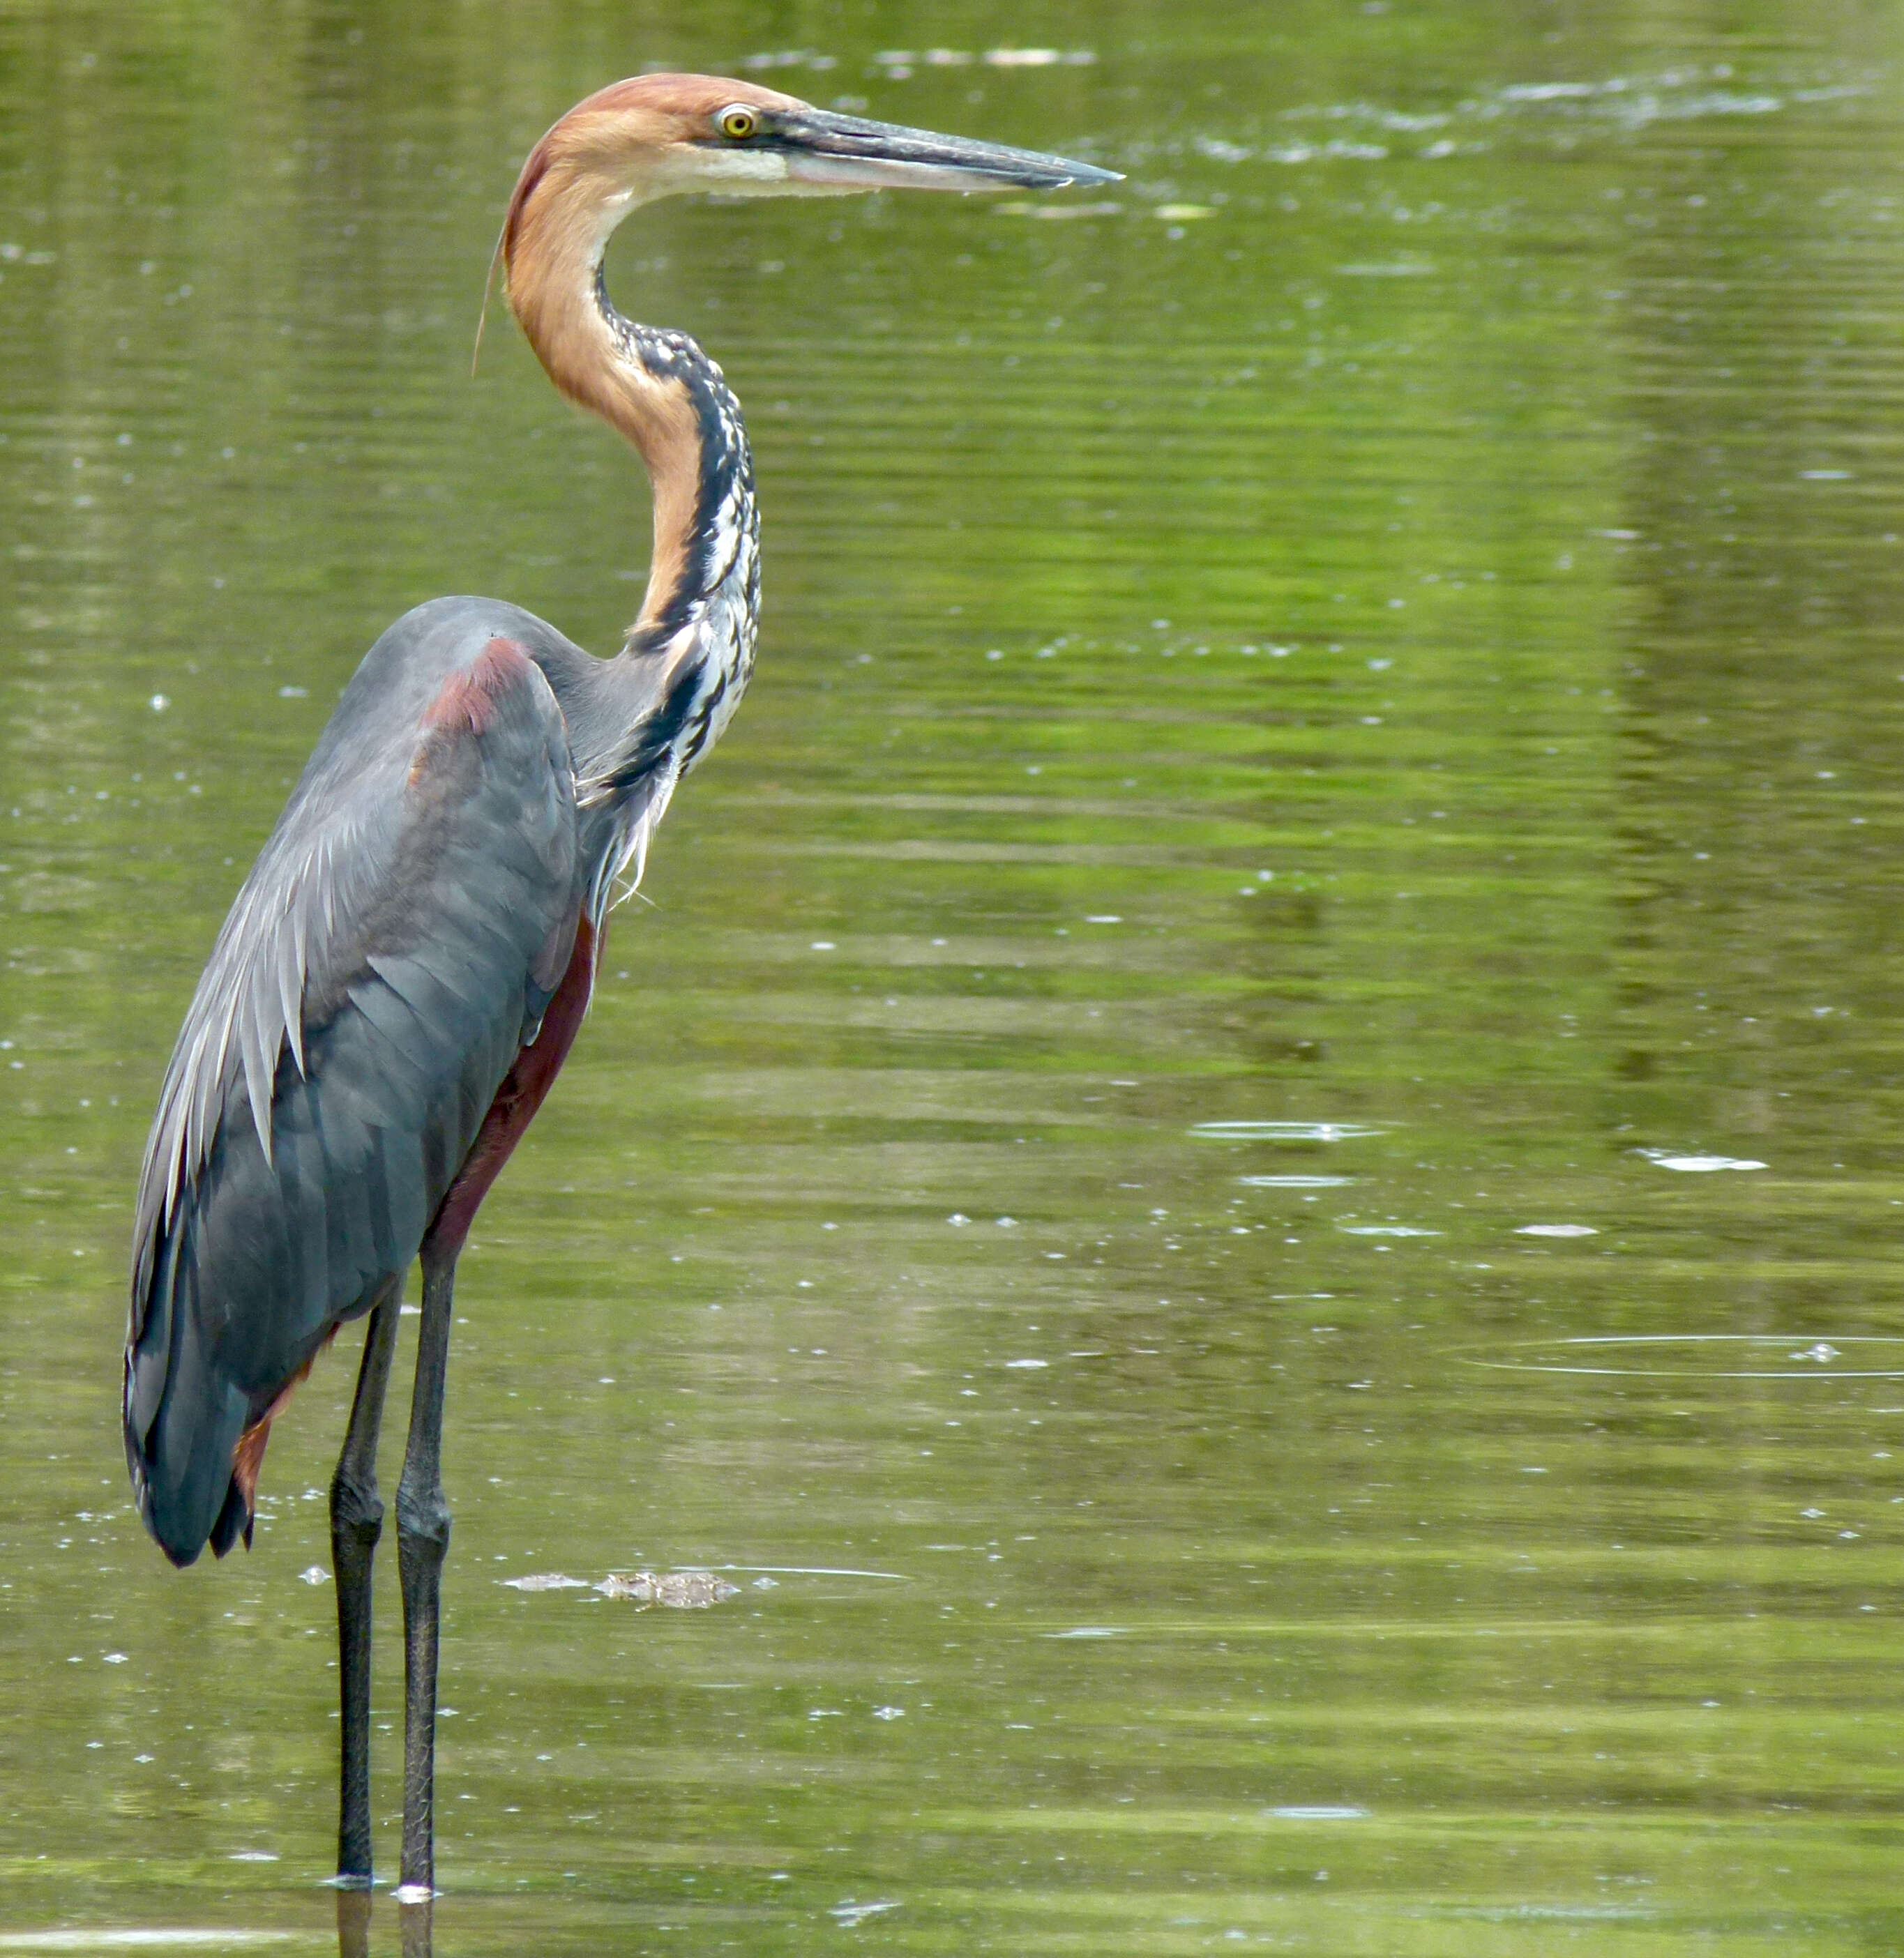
x: 393, y: 948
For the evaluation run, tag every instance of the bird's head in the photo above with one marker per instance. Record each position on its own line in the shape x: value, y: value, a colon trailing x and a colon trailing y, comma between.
x: 661, y: 135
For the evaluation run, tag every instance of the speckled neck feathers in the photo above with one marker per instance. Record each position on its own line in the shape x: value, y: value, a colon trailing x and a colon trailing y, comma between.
x: 707, y: 524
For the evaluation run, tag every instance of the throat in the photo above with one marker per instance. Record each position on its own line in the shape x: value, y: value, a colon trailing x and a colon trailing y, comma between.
x: 686, y: 425
x: 688, y: 657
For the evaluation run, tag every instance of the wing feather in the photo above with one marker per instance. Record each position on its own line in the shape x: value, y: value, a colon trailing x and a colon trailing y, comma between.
x: 388, y: 942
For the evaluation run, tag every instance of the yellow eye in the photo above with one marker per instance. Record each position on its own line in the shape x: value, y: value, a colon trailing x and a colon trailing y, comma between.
x: 738, y: 123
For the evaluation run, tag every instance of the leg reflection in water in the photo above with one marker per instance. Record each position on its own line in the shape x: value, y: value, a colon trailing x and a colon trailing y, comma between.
x: 415, y: 1920
x: 354, y: 1926
x: 354, y: 1923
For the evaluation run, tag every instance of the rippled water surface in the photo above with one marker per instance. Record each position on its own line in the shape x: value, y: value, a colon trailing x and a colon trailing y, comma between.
x: 1243, y: 1176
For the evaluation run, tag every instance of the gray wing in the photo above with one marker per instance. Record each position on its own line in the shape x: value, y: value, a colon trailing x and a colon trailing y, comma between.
x: 391, y: 950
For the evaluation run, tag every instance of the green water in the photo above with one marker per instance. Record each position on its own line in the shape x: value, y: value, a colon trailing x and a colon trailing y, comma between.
x: 1386, y: 623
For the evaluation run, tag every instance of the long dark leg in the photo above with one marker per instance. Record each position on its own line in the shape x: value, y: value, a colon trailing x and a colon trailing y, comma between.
x: 357, y: 1522
x: 422, y: 1538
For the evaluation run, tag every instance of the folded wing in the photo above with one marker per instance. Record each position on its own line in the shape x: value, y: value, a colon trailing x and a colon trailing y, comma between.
x: 388, y: 957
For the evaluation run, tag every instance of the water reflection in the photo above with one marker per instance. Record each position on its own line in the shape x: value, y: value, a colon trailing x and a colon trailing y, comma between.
x: 354, y: 1908
x: 1474, y: 540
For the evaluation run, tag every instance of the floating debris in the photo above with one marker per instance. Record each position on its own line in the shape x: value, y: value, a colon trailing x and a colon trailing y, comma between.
x: 1336, y: 149
x: 1289, y: 1132
x: 547, y: 1580
x: 1724, y: 1356
x: 790, y: 58
x: 1388, y: 268
x: 1697, y: 1165
x: 95, y: 1940
x: 1557, y: 1231
x: 1386, y: 1230
x: 898, y: 63
x: 904, y: 58
x: 850, y: 1913
x: 1296, y: 1182
x: 1022, y: 207
x: 1038, y: 57
x: 1319, y: 1811
x: 814, y: 1570
x: 684, y: 1590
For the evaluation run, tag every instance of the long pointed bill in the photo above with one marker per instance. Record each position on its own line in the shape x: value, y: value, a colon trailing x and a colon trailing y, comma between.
x: 849, y: 153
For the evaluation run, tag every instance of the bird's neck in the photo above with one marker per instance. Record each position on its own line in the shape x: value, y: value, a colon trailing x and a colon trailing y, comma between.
x: 643, y: 719
x: 658, y: 390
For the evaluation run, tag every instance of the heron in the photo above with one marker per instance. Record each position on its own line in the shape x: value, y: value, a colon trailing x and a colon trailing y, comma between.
x: 405, y: 969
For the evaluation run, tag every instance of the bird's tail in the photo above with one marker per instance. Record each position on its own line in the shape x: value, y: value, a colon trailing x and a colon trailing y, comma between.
x: 181, y: 1460
x: 195, y: 1466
